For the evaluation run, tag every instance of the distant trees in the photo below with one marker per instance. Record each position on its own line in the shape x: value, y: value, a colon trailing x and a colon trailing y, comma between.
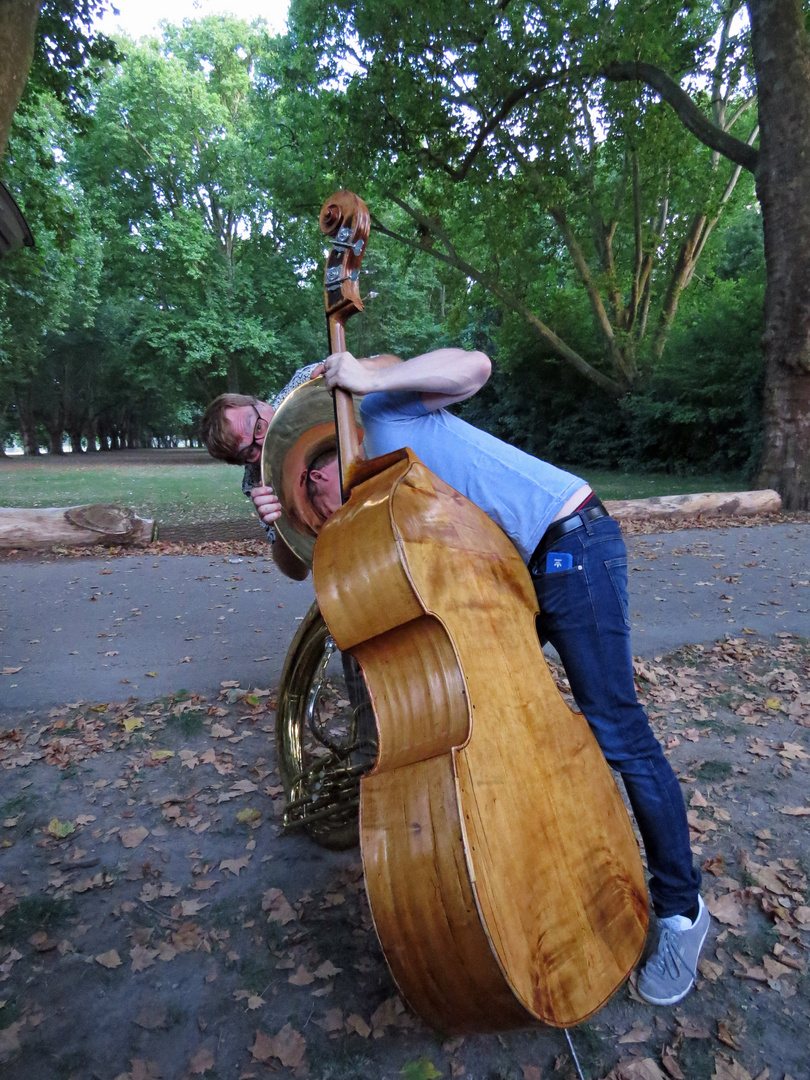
x: 178, y: 253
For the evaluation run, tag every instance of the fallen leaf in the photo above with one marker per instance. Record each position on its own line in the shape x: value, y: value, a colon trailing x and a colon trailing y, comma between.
x: 192, y: 907
x: 235, y: 865
x: 693, y: 1028
x: 670, y: 1063
x: 639, y: 1032
x: 143, y: 1070
x: 726, y: 1035
x: 60, y: 829
x: 727, y: 909
x: 10, y: 1036
x: 727, y: 1069
x: 332, y: 1021
x: 202, y: 1061
x: 109, y: 959
x: 152, y: 1016
x: 301, y: 977
x: 186, y: 938
x: 131, y: 838
x: 289, y: 1046
x: 358, y: 1025
x: 327, y: 970
x: 279, y: 910
x: 142, y: 958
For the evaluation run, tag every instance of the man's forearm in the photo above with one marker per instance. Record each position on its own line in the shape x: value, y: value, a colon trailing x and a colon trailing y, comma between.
x: 454, y: 372
x: 444, y: 375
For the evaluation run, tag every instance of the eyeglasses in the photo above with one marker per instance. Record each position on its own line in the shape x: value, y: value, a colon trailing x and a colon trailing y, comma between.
x: 247, y: 455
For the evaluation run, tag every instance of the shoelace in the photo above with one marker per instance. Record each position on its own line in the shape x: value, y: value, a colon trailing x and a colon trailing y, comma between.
x: 669, y: 955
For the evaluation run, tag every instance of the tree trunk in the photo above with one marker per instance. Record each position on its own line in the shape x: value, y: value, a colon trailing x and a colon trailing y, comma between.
x: 28, y: 431
x: 74, y: 434
x: 18, y: 22
x: 97, y: 523
x: 705, y: 504
x: 786, y: 418
x: 781, y: 52
x: 56, y: 437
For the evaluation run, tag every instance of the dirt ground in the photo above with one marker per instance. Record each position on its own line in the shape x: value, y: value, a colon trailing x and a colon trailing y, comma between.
x: 156, y: 923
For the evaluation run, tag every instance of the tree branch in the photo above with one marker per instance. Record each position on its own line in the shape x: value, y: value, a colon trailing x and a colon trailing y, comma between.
x: 685, y: 109
x: 556, y: 344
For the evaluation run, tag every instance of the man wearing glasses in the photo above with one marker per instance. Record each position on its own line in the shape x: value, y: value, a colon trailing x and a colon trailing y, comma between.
x: 233, y: 428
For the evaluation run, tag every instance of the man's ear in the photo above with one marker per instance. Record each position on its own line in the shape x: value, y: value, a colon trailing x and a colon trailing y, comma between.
x: 303, y: 478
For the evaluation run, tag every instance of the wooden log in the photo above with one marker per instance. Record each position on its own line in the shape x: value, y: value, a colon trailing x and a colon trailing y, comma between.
x: 73, y: 526
x: 706, y: 504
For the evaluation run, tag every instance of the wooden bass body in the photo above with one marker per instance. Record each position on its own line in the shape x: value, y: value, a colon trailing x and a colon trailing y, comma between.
x: 502, y: 871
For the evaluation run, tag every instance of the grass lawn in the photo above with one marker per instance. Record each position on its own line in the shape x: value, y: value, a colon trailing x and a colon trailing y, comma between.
x: 175, y: 494
x: 639, y: 485
x: 187, y: 487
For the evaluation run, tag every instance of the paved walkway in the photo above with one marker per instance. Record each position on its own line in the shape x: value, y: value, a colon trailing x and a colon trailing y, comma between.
x: 140, y: 625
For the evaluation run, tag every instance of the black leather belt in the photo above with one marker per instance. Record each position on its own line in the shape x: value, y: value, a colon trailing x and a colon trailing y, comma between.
x: 565, y: 525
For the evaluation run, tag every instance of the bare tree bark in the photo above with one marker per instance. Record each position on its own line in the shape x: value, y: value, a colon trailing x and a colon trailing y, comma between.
x: 18, y: 22
x: 781, y: 47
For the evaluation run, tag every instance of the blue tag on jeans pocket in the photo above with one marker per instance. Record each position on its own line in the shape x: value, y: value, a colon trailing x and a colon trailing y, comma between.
x: 558, y: 560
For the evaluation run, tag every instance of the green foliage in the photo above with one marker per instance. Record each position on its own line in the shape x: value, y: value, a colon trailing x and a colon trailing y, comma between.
x: 45, y: 290
x: 700, y: 406
x: 696, y: 410
x: 69, y: 55
x: 423, y: 1069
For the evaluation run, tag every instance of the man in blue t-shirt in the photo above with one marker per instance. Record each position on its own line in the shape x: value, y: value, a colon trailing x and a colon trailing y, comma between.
x: 578, y: 562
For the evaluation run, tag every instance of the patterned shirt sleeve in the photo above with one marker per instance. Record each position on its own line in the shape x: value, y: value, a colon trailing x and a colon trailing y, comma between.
x: 299, y: 378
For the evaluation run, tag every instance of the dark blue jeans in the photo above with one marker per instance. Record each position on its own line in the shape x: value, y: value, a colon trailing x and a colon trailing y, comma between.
x: 584, y: 614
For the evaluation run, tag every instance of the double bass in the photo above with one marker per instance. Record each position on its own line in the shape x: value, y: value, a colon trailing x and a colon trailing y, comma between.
x: 502, y: 872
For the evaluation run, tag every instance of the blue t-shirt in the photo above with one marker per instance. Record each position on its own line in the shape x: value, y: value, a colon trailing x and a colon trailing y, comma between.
x: 519, y: 492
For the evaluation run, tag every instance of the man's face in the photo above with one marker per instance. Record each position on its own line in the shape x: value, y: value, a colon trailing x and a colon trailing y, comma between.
x: 249, y: 423
x: 326, y: 480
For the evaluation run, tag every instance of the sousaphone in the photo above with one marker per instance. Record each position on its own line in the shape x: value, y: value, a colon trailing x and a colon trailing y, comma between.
x: 302, y: 429
x: 325, y: 732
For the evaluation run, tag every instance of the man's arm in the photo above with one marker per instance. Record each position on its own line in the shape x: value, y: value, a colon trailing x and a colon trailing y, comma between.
x: 443, y: 376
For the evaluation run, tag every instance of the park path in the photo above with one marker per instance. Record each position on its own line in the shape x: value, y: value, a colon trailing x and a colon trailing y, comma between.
x: 143, y: 625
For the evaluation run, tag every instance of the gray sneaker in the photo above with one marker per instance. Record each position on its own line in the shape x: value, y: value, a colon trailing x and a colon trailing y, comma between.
x: 671, y: 970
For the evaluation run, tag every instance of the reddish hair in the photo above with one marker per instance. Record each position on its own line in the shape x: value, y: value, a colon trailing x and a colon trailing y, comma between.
x: 215, y: 430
